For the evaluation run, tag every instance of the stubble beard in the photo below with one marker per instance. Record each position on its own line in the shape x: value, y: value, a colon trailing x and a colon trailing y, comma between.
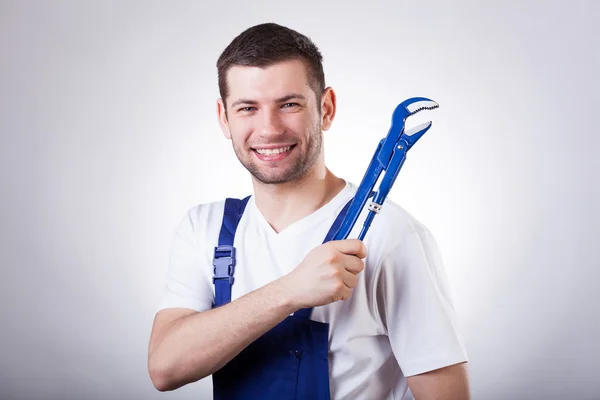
x: 279, y: 174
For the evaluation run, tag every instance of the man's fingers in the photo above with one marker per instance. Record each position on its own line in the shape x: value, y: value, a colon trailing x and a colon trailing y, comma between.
x: 350, y: 280
x: 352, y: 264
x: 353, y: 247
x: 343, y: 295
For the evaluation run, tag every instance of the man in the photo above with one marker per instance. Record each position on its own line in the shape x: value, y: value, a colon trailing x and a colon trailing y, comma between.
x: 254, y: 298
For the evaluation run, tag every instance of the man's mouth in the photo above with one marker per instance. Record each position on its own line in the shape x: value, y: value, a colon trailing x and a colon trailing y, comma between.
x: 273, y: 154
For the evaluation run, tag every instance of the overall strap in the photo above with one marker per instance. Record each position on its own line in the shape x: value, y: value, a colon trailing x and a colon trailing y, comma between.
x: 224, y: 255
x: 304, y: 313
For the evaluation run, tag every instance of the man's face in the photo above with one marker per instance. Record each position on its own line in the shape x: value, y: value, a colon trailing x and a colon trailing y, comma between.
x: 273, y: 121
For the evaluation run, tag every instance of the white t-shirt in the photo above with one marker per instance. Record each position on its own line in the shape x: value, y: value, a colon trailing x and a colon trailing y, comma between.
x: 399, y: 321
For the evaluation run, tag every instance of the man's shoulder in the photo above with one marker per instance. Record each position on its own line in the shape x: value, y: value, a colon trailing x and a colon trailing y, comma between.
x: 202, y: 219
x: 391, y: 228
x: 394, y: 217
x: 200, y: 211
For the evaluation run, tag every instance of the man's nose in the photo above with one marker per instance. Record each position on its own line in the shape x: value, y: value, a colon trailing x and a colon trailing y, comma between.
x: 271, y: 123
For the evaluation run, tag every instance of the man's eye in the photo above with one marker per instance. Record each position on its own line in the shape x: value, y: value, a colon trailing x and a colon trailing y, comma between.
x: 246, y: 109
x: 288, y: 105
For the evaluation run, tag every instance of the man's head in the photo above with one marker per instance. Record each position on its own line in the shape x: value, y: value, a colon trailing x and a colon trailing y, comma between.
x: 273, y: 98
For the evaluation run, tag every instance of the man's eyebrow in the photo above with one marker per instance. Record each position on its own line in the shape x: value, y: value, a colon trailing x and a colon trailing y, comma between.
x: 280, y: 100
x: 243, y: 101
x: 290, y: 97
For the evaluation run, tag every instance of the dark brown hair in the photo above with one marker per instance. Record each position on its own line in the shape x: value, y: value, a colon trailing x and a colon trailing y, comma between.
x: 266, y: 44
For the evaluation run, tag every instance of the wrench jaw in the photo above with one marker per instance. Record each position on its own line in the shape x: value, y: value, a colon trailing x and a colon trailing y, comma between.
x: 417, y: 104
x: 397, y: 132
x: 411, y: 107
x: 412, y: 135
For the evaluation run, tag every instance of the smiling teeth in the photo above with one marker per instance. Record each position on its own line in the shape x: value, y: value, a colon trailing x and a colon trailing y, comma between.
x: 270, y: 152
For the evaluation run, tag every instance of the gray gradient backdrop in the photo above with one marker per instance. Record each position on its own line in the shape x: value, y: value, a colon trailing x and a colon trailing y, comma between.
x: 109, y: 135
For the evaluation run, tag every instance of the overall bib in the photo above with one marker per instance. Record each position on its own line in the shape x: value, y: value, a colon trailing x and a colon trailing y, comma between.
x: 289, y: 361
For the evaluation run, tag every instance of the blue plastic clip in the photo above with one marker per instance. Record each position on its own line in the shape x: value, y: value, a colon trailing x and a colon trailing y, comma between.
x: 224, y: 264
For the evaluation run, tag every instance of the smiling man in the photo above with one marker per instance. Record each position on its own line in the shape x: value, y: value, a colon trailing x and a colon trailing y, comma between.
x: 296, y: 147
x: 255, y: 299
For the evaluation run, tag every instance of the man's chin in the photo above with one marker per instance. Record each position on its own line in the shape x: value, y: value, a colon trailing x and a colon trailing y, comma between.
x: 276, y: 179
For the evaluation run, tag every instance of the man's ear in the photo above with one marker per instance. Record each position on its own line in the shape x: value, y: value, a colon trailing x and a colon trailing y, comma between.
x: 222, y: 115
x: 328, y: 108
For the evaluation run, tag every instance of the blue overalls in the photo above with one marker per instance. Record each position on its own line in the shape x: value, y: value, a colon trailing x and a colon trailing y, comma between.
x: 289, y: 361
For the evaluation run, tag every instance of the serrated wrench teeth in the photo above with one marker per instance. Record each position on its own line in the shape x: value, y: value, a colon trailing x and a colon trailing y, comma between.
x: 421, y: 105
x: 411, y: 107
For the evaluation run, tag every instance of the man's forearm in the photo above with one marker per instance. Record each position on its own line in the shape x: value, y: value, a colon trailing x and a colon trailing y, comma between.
x: 197, y: 345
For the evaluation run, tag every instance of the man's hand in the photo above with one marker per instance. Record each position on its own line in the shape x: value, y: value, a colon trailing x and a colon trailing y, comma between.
x: 449, y: 383
x: 328, y: 273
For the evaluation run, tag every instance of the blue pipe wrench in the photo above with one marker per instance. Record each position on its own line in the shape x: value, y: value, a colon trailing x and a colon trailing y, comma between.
x: 389, y: 157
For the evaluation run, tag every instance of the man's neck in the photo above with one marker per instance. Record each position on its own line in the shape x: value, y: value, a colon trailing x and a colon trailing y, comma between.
x: 284, y: 204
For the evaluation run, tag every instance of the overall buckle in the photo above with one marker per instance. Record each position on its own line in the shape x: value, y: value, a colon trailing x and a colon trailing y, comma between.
x: 224, y: 263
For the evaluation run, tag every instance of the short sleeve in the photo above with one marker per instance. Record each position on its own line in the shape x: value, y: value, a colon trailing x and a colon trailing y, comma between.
x: 186, y: 281
x: 415, y: 306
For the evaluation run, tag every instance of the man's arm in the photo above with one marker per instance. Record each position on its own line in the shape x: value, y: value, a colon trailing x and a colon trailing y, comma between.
x: 186, y: 346
x: 418, y: 315
x: 448, y: 383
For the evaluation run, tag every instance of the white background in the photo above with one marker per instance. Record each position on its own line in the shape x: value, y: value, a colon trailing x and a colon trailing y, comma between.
x: 109, y: 134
